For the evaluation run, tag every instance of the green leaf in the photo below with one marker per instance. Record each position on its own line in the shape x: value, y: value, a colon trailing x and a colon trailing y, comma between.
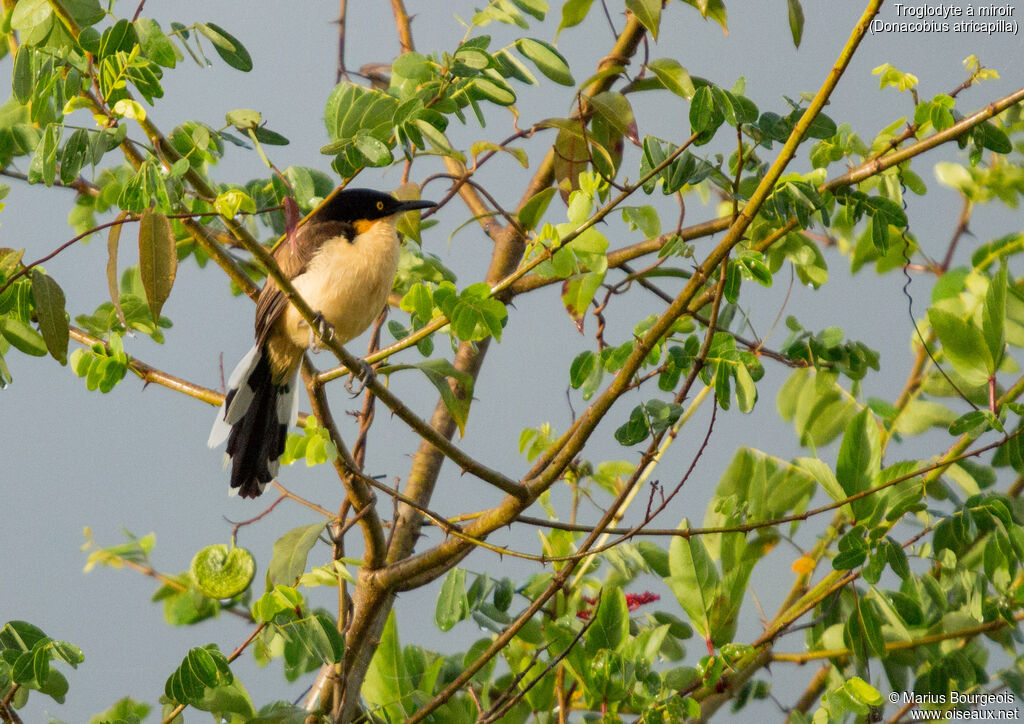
x: 452, y: 602
x: 964, y: 346
x: 573, y: 12
x: 673, y: 76
x: 731, y: 289
x: 437, y: 141
x: 113, y: 240
x: 582, y: 367
x: 374, y: 151
x: 615, y: 110
x: 127, y: 108
x: 473, y: 57
x: 329, y: 575
x: 921, y: 415
x: 10, y: 259
x: 277, y: 601
x: 351, y: 108
x: 511, y: 67
x: 863, y: 692
x: 229, y: 203
x: 994, y: 315
x: 29, y: 13
x: 22, y: 669
x: 124, y: 710
x: 21, y: 76
x: 648, y: 12
x: 221, y: 571
x: 897, y: 559
x: 438, y: 372
x: 269, y: 138
x: 318, y: 635
x: 493, y: 90
x: 288, y: 560
x: 536, y: 8
x: 474, y: 314
x: 746, y: 390
x: 860, y: 459
x: 227, y: 46
x: 200, y: 670
x: 970, y: 420
x: 547, y: 59
x: 23, y: 337
x: 645, y: 219
x: 158, y: 259
x: 701, y: 109
x: 50, y: 311
x: 533, y: 210
x: 714, y: 9
x: 635, y: 430
x: 414, y: 66
x: 225, y: 699
x: 694, y: 579
x: 518, y: 154
x: 796, y: 20
x: 74, y: 155
x: 988, y: 135
x: 44, y: 161
x: 155, y: 45
x: 577, y: 293
x: 871, y: 626
x: 611, y: 622
x: 387, y: 685
x: 85, y: 12
x: 503, y: 594
x: 848, y: 560
x: 118, y: 38
x: 21, y: 636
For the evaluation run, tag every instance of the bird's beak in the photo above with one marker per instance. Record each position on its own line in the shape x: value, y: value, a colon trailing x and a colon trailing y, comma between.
x: 414, y: 204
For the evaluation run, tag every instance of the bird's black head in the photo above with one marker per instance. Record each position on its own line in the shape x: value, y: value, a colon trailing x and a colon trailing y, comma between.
x: 354, y: 205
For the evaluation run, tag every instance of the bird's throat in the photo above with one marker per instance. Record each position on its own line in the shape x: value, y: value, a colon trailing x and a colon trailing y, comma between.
x: 364, y: 225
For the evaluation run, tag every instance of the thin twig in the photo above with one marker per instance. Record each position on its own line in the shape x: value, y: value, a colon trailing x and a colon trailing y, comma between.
x: 341, y: 74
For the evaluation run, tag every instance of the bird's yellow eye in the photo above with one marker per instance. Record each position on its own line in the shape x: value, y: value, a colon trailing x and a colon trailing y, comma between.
x: 380, y: 206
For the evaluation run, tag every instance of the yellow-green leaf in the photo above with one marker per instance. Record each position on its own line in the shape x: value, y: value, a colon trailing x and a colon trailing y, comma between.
x: 221, y: 571
x: 244, y: 118
x: 673, y: 76
x: 231, y: 202
x: 23, y: 337
x: 648, y: 12
x: 113, y: 240
x: 158, y: 259
x: 126, y: 108
x: 964, y: 346
x: 796, y: 20
x: 288, y: 560
x: 548, y: 60
x: 517, y: 153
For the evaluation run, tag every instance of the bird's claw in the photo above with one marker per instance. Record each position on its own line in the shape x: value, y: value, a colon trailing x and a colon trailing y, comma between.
x: 322, y: 330
x: 366, y: 374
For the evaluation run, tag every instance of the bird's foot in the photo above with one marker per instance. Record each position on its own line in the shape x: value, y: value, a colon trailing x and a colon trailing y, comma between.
x: 357, y: 381
x: 322, y: 330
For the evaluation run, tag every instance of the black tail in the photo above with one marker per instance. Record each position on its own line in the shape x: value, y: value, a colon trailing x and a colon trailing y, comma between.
x: 254, y: 417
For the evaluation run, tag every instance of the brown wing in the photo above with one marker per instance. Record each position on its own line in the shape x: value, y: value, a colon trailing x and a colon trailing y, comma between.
x: 308, y: 240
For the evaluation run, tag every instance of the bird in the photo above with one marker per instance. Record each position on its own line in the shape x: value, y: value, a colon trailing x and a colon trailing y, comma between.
x: 342, y: 262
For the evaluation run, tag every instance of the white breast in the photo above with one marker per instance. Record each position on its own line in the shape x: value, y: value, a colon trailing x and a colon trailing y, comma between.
x: 347, y: 282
